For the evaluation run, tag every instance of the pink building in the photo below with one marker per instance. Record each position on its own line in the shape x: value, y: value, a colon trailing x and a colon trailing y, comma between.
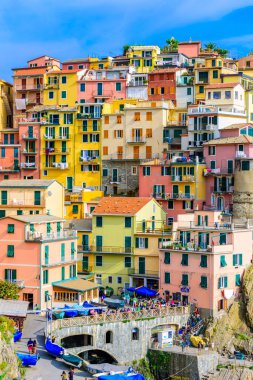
x: 29, y: 138
x: 220, y: 155
x: 99, y: 86
x: 41, y: 257
x: 9, y: 154
x: 190, y: 49
x: 205, y: 263
x: 76, y: 64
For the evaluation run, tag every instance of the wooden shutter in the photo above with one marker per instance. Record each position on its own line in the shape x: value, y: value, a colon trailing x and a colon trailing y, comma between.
x: 105, y: 134
x: 105, y: 150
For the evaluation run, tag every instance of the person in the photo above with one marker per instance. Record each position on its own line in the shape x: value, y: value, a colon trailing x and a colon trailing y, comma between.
x: 71, y: 373
x: 199, y: 347
x: 64, y: 376
x: 30, y: 345
x: 34, y: 347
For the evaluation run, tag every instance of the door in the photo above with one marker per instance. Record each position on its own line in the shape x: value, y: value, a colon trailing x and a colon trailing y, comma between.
x: 187, y: 190
x: 175, y: 191
x: 148, y: 151
x: 99, y: 243
x: 28, y: 297
x: 142, y: 265
x: 85, y: 242
x: 230, y: 166
x: 85, y: 263
x: 24, y: 84
x: 185, y: 300
x: 100, y: 88
x: 30, y: 132
x: 220, y: 203
x: 115, y: 190
x: 69, y: 183
x: 114, y: 175
x: 136, y: 152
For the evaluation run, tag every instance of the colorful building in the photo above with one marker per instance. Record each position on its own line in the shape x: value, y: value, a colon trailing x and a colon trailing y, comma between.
x: 205, y: 263
x: 30, y: 197
x: 143, y: 58
x: 79, y: 204
x: 125, y: 233
x: 162, y: 85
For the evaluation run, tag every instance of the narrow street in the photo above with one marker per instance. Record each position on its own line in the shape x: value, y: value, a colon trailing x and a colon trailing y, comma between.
x: 47, y: 367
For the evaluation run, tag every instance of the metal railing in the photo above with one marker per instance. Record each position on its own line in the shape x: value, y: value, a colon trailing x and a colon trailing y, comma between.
x: 28, y: 136
x: 137, y: 140
x: 57, y: 165
x: 84, y: 248
x: 56, y: 150
x: 19, y: 283
x: 146, y: 273
x: 182, y: 178
x: 65, y: 234
x: 104, y: 249
x: 106, y: 94
x: 84, y: 116
x: 33, y: 87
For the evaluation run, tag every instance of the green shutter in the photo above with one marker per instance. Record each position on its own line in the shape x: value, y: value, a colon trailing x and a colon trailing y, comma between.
x: 73, y: 250
x: 223, y: 238
x: 219, y: 283
x: 46, y: 254
x: 32, y: 228
x: 237, y: 279
x: 128, y: 243
x: 184, y: 260
x: 167, y: 278
x: 223, y: 261
x: 85, y: 263
x: 37, y: 198
x: 128, y: 262
x: 225, y: 282
x: 142, y: 265
x: 184, y: 279
x: 10, y: 228
x: 48, y: 228
x: 61, y: 128
x: 4, y: 196
x: 199, y: 220
x: 166, y: 257
x: 128, y: 222
x: 58, y: 226
x: 62, y: 251
x: 240, y: 259
x: 137, y: 243
x: 234, y: 260
x: 146, y: 242
x: 203, y: 282
x: 10, y: 250
x: 75, y: 209
x: 63, y: 273
x: 203, y: 261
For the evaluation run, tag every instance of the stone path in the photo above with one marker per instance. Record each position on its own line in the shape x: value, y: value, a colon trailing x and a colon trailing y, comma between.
x: 47, y: 367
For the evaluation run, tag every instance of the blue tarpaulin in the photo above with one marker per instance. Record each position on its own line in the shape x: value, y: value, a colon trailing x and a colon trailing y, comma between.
x: 143, y: 291
x: 121, y: 377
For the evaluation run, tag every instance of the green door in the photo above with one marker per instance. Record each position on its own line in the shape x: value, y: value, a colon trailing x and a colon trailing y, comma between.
x: 100, y: 88
x: 142, y: 265
x: 69, y: 183
x: 230, y: 166
x: 37, y: 198
x: 85, y: 263
x: 99, y: 243
x: 128, y: 244
x: 85, y: 242
x: 114, y: 175
x: 30, y: 132
x: 187, y: 190
x: 175, y: 191
x: 64, y: 146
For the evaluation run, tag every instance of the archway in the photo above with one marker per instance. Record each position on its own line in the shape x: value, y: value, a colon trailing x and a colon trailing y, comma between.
x: 97, y: 357
x: 81, y: 340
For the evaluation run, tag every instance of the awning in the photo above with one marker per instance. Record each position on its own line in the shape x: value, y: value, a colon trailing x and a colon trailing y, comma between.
x: 21, y: 104
x: 78, y: 285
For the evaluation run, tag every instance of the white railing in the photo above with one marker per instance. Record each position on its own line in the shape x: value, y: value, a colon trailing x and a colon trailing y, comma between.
x: 36, y: 235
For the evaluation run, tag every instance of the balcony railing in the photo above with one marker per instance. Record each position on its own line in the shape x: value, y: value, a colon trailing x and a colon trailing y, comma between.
x: 210, y: 109
x: 29, y: 136
x: 29, y: 151
x: 31, y: 87
x: 19, y: 283
x: 218, y: 171
x: 84, y: 116
x: 83, y: 248
x: 103, y: 249
x: 38, y: 236
x: 88, y: 159
x: 56, y: 151
x: 146, y: 273
x: 137, y: 140
x: 182, y: 178
x: 57, y: 137
x: 11, y: 168
x: 105, y: 94
x: 239, y: 154
x: 28, y: 165
x: 172, y: 196
x: 57, y: 165
x: 222, y: 189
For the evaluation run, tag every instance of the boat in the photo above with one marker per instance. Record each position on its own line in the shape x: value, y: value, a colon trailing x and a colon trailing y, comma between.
x: 58, y: 314
x: 81, y: 310
x: 17, y: 336
x: 28, y: 360
x: 53, y: 349
x: 72, y: 360
x: 114, y: 303
x: 70, y: 313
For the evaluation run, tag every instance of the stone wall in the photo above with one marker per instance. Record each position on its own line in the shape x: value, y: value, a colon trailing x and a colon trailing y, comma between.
x: 243, y: 205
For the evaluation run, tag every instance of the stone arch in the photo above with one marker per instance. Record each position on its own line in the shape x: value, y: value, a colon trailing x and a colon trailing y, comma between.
x: 77, y: 340
x: 108, y: 356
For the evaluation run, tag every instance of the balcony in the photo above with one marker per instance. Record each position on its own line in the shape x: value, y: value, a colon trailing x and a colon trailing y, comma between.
x: 83, y: 248
x: 19, y: 283
x: 29, y: 151
x: 222, y: 189
x: 217, y: 227
x: 172, y: 140
x: 28, y: 165
x: 29, y: 87
x: 192, y: 247
x: 25, y: 202
x: 85, y: 116
x: 218, y: 171
x: 239, y: 154
x: 115, y: 180
x: 202, y: 128
x: 51, y: 86
x: 29, y: 120
x: 180, y: 196
x: 137, y: 140
x: 146, y: 273
x: 54, y: 151
x: 182, y: 178
x: 57, y: 165
x: 105, y: 94
x: 157, y: 229
x: 116, y: 250
x: 209, y: 109
x: 87, y: 159
x: 9, y: 169
x: 39, y: 236
x: 29, y: 136
x: 57, y: 137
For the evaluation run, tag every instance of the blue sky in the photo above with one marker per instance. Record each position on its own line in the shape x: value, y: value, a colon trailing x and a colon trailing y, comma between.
x: 78, y: 28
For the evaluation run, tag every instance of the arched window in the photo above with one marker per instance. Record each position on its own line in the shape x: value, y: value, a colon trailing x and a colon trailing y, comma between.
x: 135, y: 334
x: 108, y: 337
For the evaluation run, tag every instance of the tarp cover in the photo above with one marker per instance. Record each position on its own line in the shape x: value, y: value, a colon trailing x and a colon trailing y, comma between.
x: 121, y: 377
x: 143, y: 291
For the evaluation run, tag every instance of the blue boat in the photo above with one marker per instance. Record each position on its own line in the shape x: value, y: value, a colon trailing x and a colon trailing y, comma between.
x: 28, y: 360
x: 81, y: 310
x: 114, y: 303
x: 72, y: 360
x: 59, y: 314
x: 70, y: 313
x: 53, y: 349
x: 17, y: 336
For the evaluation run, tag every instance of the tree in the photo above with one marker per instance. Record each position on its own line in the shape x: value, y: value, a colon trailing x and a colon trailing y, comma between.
x: 9, y: 290
x: 210, y: 46
x: 125, y: 49
x: 172, y: 44
x: 222, y: 52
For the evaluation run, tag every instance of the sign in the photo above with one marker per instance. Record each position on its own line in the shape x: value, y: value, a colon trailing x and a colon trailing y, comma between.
x: 184, y: 289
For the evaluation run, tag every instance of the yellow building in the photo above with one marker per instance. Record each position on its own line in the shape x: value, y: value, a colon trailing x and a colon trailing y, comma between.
x: 143, y: 58
x: 210, y: 73
x: 124, y: 249
x: 98, y: 64
x: 29, y: 197
x: 6, y: 101
x: 80, y: 204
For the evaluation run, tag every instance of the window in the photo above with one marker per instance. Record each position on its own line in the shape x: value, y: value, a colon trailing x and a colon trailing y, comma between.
x: 222, y: 282
x: 203, y: 261
x: 209, y: 94
x: 128, y: 244
x: 70, y: 67
x: 137, y: 116
x: 118, y: 86
x: 165, y: 170
x: 105, y: 173
x: 64, y: 80
x: 46, y: 296
x: 213, y: 62
x: 15, y: 152
x: 135, y: 333
x: 170, y: 221
x: 237, y: 259
x: 105, y: 134
x: 166, y: 257
x: 223, y: 261
x: 152, y: 91
x: 80, y: 67
x: 201, y: 89
x: 215, y: 74
x: 170, y: 205
x: 227, y: 94
x: 167, y: 278
x: 184, y: 279
x: 45, y: 277
x: 245, y: 165
x: 63, y: 94
x: 3, y: 152
x: 212, y: 164
x: 109, y: 279
x: 75, y: 209
x: 149, y: 116
x: 134, y: 170
x: 99, y: 279
x: 240, y: 148
x: 128, y: 262
x: 10, y: 250
x: 216, y: 95
x: 99, y: 261
x: 184, y: 260
x: 118, y: 134
x: 107, y: 119
x: 4, y: 197
x: 212, y: 150
x: 10, y: 229
x: 46, y: 254
x: 203, y: 282
x: 146, y: 170
x: 108, y: 337
x: 119, y: 280
x: 236, y: 95
x: 82, y: 87
x: 189, y: 91
x: 141, y: 243
x: 99, y: 221
x: 51, y: 95
x: 72, y: 271
x: 19, y: 212
x: 62, y: 251
x: 237, y: 279
x: 10, y: 275
x: 37, y: 198
x: 148, y: 132
x: 128, y: 222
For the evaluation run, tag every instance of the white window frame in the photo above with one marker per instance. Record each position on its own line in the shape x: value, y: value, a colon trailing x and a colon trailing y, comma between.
x: 134, y: 170
x: 222, y: 282
x: 141, y: 242
x: 99, y: 279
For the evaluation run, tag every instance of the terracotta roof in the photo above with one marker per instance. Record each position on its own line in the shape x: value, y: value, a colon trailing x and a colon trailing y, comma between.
x: 30, y: 71
x: 62, y: 72
x: 222, y: 85
x: 120, y: 205
x: 76, y: 60
x: 242, y: 139
x: 238, y: 125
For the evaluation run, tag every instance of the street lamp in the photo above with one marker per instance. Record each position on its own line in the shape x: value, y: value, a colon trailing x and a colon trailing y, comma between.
x: 49, y: 313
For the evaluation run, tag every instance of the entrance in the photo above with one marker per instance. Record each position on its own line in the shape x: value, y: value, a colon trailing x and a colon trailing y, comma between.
x: 185, y: 300
x: 29, y: 298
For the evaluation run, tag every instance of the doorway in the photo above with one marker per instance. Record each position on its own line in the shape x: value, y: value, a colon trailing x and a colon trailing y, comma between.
x: 29, y: 298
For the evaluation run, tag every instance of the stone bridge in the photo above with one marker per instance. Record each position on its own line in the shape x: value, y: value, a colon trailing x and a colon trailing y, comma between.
x: 124, y: 336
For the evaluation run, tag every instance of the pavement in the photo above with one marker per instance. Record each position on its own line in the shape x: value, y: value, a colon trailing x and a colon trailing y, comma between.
x: 47, y: 368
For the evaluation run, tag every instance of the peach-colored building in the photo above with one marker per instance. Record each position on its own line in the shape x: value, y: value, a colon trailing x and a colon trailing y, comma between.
x: 76, y: 64
x: 41, y: 257
x: 205, y: 262
x: 190, y: 49
x: 9, y: 154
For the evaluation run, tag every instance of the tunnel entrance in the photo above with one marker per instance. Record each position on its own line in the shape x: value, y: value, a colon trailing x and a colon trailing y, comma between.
x: 97, y: 357
x: 77, y: 341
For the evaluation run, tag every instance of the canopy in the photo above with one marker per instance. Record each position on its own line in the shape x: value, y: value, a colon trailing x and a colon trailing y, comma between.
x: 121, y: 377
x: 143, y: 291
